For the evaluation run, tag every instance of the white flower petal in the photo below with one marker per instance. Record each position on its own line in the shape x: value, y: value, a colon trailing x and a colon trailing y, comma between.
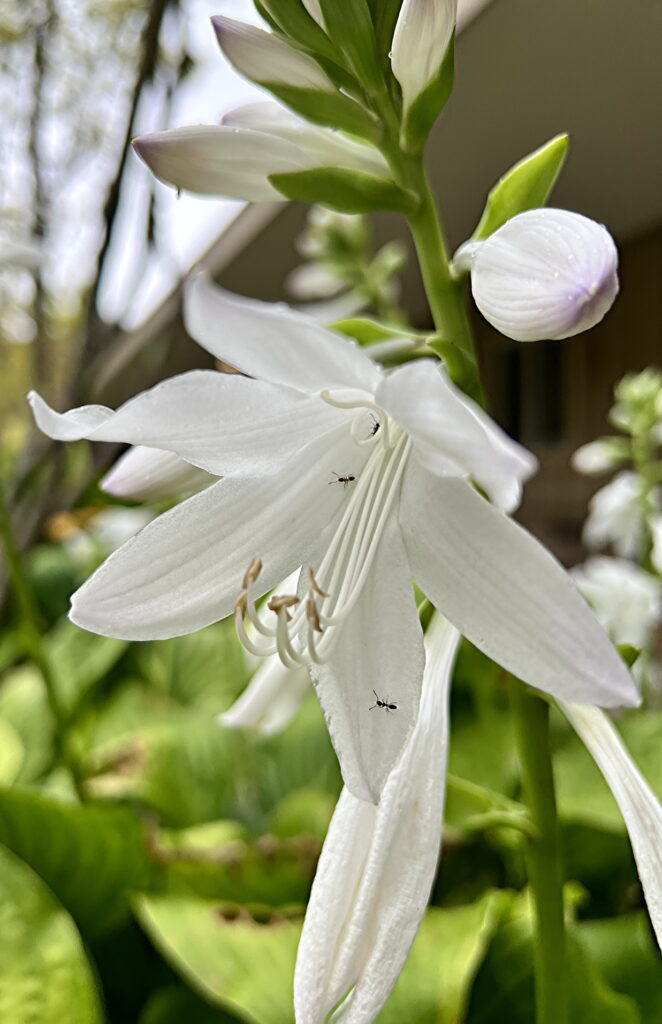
x: 452, y: 435
x: 273, y: 342
x: 377, y: 866
x: 506, y: 593
x: 271, y: 699
x: 379, y: 649
x: 263, y: 57
x: 639, y: 806
x: 545, y: 274
x: 150, y: 475
x: 615, y: 516
x: 185, y: 569
x: 217, y: 160
x: 324, y: 146
x: 422, y: 34
x: 223, y: 423
x: 626, y: 600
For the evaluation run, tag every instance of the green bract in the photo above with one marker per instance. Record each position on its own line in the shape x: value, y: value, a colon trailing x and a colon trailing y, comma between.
x: 343, y: 189
x: 524, y: 187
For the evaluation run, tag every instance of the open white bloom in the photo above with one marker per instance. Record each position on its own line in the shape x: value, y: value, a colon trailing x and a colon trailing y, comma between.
x: 626, y: 600
x: 265, y: 58
x: 544, y: 274
x: 616, y: 516
x: 377, y: 866
x: 362, y: 478
x: 639, y: 806
x: 422, y: 34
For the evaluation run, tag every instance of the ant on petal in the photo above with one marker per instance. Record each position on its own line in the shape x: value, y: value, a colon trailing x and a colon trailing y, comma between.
x: 386, y: 704
x: 344, y: 480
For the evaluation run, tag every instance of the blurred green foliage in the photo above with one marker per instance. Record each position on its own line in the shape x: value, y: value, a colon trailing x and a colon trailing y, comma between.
x: 176, y: 890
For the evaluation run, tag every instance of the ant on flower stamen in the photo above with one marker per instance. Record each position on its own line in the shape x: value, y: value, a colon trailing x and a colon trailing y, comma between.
x: 344, y: 480
x: 375, y: 425
x: 386, y: 704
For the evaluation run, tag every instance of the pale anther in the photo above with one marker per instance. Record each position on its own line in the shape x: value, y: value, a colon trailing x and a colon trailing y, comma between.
x: 252, y: 573
x: 281, y: 602
x: 315, y: 585
x: 312, y: 615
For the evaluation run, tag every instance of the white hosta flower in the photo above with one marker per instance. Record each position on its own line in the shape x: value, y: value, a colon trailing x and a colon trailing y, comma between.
x: 216, y: 159
x: 377, y: 866
x: 626, y: 600
x: 616, y: 516
x: 599, y: 456
x: 151, y: 475
x: 264, y: 58
x: 271, y: 699
x: 362, y: 478
x: 639, y: 806
x: 545, y: 274
x: 322, y: 146
x: 422, y: 34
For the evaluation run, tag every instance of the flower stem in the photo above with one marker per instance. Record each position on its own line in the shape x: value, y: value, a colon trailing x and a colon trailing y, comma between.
x: 33, y: 645
x: 543, y: 855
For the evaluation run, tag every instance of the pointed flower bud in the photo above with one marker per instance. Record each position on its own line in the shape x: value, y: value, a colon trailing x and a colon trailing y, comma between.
x: 422, y: 34
x: 147, y: 474
x: 600, y: 455
x: 216, y: 159
x: 544, y: 274
x: 264, y: 58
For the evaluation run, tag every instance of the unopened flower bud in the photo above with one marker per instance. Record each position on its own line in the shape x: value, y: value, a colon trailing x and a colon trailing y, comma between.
x: 544, y: 274
x: 422, y: 34
x: 263, y: 57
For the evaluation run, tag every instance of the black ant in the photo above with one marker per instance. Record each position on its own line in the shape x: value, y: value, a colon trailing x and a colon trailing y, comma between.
x: 344, y: 480
x: 386, y: 704
x: 375, y: 426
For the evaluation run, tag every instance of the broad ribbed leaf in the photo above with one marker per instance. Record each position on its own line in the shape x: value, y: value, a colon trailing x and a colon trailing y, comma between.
x: 45, y: 976
x: 228, y: 957
x: 90, y: 856
x: 524, y: 187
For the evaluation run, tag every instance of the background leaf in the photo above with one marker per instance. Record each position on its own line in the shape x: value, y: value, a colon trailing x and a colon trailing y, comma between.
x: 237, y: 964
x: 45, y: 975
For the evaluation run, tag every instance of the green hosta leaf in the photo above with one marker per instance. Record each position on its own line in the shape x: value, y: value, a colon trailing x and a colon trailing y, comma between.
x: 221, y: 861
x: 424, y: 111
x: 237, y: 963
x: 23, y: 704
x: 206, y: 669
x: 176, y: 1004
x: 305, y: 812
x: 79, y: 660
x: 524, y: 187
x: 350, y: 27
x: 184, y: 769
x: 623, y: 950
x: 89, y: 856
x: 330, y: 109
x: 583, y: 795
x: 45, y: 975
x: 342, y: 189
x: 435, y: 984
x: 12, y: 753
x: 504, y: 990
x: 300, y: 757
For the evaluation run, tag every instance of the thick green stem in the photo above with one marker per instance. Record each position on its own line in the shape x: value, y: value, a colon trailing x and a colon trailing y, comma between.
x: 543, y: 855
x: 32, y: 642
